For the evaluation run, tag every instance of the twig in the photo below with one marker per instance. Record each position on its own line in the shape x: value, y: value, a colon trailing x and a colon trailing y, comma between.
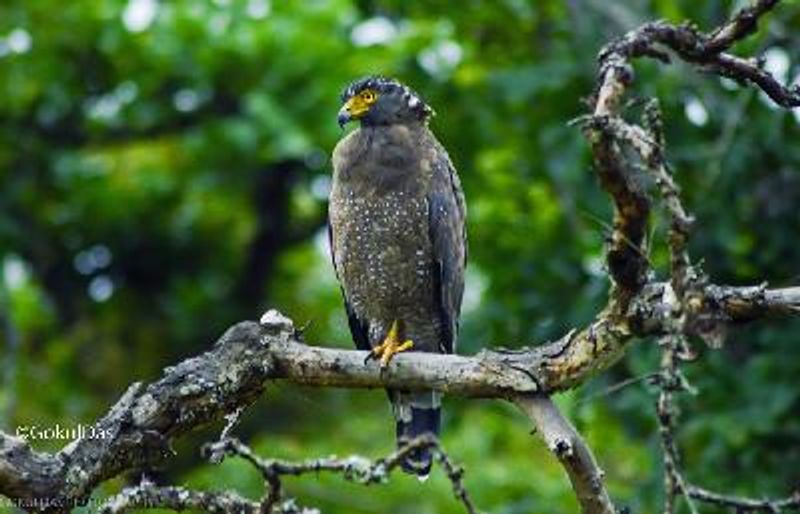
x: 456, y: 475
x: 669, y: 382
x: 355, y: 468
x: 149, y: 496
x: 682, y: 274
x: 651, y: 40
x: 741, y: 25
x: 614, y: 388
x: 743, y: 504
x: 230, y: 423
x: 706, y: 51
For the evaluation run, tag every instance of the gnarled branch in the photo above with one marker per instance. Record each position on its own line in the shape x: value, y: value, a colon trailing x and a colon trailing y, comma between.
x: 234, y: 373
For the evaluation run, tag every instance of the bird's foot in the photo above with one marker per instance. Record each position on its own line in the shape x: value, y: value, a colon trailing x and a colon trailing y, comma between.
x: 391, y: 346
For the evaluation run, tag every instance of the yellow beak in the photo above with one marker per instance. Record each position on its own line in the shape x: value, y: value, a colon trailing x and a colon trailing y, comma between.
x: 353, y: 109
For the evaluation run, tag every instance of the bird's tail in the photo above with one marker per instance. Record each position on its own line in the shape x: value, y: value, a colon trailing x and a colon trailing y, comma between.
x: 417, y: 414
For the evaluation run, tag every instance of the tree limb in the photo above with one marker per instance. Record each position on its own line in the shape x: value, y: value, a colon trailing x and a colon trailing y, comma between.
x: 651, y: 40
x: 234, y: 373
x: 355, y: 469
x: 742, y: 504
x: 567, y: 445
x: 148, y: 495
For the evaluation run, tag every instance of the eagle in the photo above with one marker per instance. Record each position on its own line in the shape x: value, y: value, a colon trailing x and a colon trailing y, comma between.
x: 398, y: 240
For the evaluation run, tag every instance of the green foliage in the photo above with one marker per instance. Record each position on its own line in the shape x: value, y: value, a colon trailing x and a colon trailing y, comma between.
x: 164, y: 173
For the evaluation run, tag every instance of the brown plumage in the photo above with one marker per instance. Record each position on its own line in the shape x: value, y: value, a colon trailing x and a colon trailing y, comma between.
x: 397, y: 236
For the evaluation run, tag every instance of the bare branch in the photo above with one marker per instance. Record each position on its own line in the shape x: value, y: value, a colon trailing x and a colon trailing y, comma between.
x: 742, y: 504
x: 689, y: 305
x: 681, y: 272
x: 669, y: 382
x: 150, y: 496
x: 691, y: 45
x: 626, y: 252
x: 206, y: 388
x: 571, y: 450
x: 355, y: 468
x: 749, y: 303
x: 741, y: 25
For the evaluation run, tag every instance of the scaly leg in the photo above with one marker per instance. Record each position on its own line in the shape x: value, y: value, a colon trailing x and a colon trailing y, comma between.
x: 391, y: 345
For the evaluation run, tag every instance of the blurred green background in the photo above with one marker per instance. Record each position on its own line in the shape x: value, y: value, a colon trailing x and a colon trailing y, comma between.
x: 165, y: 167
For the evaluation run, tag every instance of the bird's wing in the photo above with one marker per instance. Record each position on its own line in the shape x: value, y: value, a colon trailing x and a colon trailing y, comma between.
x: 358, y: 328
x: 446, y: 222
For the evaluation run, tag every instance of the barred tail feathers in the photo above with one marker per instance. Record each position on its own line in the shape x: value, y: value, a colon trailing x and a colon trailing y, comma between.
x: 416, y: 414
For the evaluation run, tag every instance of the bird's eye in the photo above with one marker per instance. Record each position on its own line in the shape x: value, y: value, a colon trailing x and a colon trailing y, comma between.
x: 368, y: 96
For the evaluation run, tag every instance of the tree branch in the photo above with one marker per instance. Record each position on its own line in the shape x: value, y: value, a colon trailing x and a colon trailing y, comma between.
x: 742, y: 504
x: 626, y: 252
x: 653, y: 39
x: 694, y: 307
x: 233, y: 374
x: 148, y: 496
x: 355, y: 469
x: 571, y: 450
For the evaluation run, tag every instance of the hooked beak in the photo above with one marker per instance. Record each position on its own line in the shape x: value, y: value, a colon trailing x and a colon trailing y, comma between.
x: 344, y: 116
x: 353, y: 109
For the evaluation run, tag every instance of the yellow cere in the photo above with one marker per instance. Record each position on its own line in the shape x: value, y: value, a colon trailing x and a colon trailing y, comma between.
x: 359, y: 104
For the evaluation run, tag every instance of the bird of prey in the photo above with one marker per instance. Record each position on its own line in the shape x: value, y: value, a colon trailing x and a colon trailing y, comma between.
x: 398, y: 240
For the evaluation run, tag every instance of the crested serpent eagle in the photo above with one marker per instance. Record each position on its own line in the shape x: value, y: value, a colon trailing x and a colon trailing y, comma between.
x: 398, y: 240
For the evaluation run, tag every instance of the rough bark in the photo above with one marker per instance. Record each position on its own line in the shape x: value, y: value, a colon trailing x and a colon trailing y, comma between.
x: 569, y: 447
x: 235, y: 371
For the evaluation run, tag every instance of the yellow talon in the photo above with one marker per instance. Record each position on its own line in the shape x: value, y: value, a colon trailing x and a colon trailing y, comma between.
x: 391, y: 345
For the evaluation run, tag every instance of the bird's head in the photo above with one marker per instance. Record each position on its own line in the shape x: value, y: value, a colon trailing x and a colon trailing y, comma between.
x: 381, y: 101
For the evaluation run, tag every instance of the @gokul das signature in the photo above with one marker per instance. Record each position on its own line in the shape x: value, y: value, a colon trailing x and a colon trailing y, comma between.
x: 61, y: 432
